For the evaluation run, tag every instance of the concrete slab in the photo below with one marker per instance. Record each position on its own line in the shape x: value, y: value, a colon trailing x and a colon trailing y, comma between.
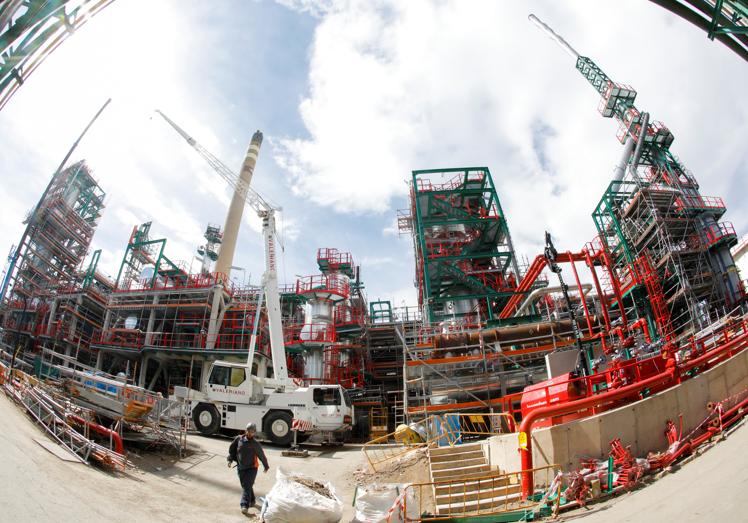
x: 55, y: 449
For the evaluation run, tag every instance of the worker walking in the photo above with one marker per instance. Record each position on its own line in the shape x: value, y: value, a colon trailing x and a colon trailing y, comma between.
x: 248, y: 454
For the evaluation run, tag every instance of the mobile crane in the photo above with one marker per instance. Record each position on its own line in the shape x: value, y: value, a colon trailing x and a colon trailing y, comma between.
x: 231, y: 395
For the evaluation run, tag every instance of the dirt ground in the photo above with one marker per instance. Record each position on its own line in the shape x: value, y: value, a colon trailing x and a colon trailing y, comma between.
x: 39, y: 486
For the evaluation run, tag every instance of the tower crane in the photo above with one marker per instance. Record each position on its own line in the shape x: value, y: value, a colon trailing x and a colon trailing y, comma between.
x: 279, y: 406
x: 641, y: 138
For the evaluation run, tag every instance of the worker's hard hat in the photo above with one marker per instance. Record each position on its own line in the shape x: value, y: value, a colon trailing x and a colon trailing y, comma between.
x: 252, y: 426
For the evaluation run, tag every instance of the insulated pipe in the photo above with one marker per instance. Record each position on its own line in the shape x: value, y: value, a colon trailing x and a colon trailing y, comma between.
x: 587, y: 287
x: 639, y: 145
x: 119, y: 448
x: 525, y: 428
x: 516, y: 333
x: 628, y: 150
x: 236, y: 209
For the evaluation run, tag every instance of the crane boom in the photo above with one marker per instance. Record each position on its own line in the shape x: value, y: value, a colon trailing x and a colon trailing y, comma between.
x: 270, y: 277
x: 252, y: 197
x: 618, y: 102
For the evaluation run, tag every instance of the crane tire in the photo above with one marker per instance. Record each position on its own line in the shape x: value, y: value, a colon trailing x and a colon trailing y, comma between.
x: 278, y: 428
x: 206, y: 418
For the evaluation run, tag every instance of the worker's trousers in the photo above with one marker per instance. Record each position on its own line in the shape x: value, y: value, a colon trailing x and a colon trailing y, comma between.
x: 247, y: 479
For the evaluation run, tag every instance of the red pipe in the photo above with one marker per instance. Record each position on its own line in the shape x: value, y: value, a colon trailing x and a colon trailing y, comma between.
x: 119, y: 448
x: 603, y: 299
x: 734, y: 414
x: 525, y: 428
x: 582, y: 297
x: 710, y: 355
x: 642, y: 322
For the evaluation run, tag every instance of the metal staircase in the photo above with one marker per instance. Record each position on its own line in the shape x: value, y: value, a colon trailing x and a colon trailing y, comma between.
x: 466, y: 483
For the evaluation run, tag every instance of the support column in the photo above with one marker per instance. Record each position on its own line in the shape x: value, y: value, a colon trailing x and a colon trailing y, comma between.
x: 74, y: 321
x: 143, y: 370
x: 216, y: 316
x: 155, y: 375
x: 52, y: 312
x: 151, y: 322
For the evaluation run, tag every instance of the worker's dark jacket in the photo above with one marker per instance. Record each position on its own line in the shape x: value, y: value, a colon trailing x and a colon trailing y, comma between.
x: 247, y: 453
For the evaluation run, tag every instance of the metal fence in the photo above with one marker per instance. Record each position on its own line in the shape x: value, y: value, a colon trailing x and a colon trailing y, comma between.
x: 435, y: 431
x: 492, y: 494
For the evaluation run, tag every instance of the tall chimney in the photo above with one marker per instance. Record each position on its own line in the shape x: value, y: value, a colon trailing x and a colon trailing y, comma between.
x: 234, y: 217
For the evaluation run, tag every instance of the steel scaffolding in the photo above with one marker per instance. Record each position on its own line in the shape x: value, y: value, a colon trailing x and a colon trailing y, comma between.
x: 466, y: 269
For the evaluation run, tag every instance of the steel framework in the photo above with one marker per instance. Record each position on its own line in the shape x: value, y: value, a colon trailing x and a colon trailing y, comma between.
x: 465, y: 264
x: 723, y: 20
x: 656, y: 225
x: 30, y: 30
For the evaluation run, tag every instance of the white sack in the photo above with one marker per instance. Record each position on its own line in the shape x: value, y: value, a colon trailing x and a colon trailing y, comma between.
x: 292, y: 502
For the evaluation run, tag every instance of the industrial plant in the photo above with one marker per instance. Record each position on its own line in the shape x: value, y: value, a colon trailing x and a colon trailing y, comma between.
x: 502, y: 351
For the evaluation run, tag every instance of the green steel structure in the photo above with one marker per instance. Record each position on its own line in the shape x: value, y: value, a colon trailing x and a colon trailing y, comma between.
x: 30, y: 30
x: 723, y: 20
x: 141, y: 252
x: 380, y: 311
x: 669, y: 252
x: 90, y: 274
x: 465, y: 264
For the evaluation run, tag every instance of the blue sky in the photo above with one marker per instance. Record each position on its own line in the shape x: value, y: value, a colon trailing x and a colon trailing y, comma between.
x: 351, y: 97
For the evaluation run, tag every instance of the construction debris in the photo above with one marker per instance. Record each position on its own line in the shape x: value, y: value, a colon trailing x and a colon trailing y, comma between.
x: 60, y: 420
x: 316, y: 486
x: 382, y: 503
x: 621, y: 471
x: 301, y: 499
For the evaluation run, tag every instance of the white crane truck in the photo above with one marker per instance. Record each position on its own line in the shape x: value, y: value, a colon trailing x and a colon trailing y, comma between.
x: 230, y: 394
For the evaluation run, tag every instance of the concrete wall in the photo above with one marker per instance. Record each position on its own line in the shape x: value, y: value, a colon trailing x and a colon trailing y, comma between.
x: 640, y: 425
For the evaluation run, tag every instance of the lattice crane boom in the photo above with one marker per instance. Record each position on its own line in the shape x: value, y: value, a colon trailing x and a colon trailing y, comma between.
x: 270, y: 278
x: 617, y: 101
x: 252, y: 197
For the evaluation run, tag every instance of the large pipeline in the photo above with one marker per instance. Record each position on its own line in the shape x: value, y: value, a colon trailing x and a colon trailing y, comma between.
x: 525, y: 428
x: 119, y: 447
x: 516, y: 333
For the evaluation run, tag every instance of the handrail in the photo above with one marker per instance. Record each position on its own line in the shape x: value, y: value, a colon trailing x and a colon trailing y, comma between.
x: 450, y: 429
x: 489, y: 494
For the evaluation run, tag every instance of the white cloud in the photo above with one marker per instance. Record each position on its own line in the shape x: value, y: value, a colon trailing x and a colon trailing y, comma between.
x: 390, y: 230
x: 398, y: 86
x: 148, y: 171
x: 376, y: 261
x: 288, y: 228
x: 392, y: 87
x: 315, y: 8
